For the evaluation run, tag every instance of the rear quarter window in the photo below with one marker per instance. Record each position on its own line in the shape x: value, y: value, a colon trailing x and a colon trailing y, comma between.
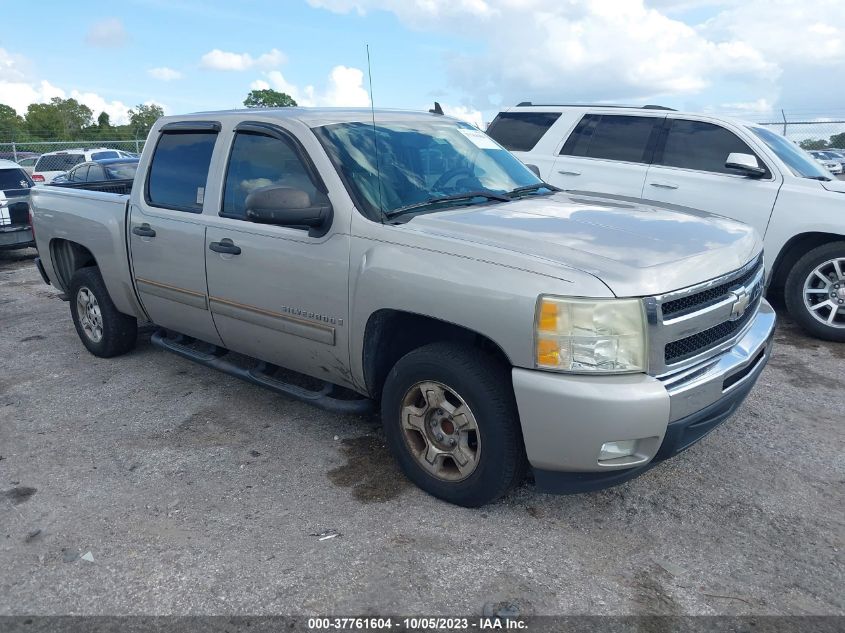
x: 179, y: 170
x: 521, y: 131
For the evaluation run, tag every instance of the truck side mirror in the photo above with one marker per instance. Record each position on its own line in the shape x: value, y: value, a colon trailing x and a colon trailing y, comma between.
x: 745, y: 163
x: 535, y: 169
x: 288, y: 206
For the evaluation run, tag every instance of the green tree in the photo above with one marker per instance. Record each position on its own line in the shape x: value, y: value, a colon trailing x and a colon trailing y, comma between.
x: 837, y: 140
x: 11, y: 123
x: 813, y: 143
x: 269, y: 98
x: 142, y: 118
x: 103, y: 121
x: 61, y: 119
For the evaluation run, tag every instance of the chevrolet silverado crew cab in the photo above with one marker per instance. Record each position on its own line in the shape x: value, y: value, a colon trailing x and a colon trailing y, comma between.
x: 408, y: 259
x: 742, y: 170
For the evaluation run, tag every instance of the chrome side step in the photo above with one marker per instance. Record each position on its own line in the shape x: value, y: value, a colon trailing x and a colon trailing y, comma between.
x: 261, y: 374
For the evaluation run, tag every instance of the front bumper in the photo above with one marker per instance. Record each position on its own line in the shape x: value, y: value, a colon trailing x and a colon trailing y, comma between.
x: 16, y: 237
x: 567, y: 418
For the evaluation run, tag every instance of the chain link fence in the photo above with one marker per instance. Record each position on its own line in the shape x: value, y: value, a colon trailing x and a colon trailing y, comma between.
x: 20, y: 150
x: 816, y: 133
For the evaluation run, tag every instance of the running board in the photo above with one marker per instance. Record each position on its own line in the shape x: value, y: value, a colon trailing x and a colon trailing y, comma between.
x: 261, y: 375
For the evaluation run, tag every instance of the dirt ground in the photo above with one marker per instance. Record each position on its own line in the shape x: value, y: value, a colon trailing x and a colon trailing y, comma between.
x: 149, y: 485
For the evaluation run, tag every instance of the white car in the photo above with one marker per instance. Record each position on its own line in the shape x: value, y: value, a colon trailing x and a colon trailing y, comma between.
x: 28, y: 164
x: 53, y: 164
x: 832, y: 161
x: 733, y: 168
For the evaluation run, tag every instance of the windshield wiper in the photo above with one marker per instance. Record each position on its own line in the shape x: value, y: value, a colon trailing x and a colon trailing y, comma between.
x: 458, y: 197
x: 822, y: 178
x: 532, y: 188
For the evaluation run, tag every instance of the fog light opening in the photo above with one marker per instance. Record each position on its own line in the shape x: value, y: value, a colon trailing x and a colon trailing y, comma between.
x: 616, y: 450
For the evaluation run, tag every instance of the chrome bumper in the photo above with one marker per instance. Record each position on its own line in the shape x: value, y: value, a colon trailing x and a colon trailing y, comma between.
x: 567, y: 418
x: 701, y: 385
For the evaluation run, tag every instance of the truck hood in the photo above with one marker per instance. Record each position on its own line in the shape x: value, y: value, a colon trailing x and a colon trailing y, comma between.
x: 636, y: 249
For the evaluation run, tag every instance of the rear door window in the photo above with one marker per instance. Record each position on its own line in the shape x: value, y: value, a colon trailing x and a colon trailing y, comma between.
x: 614, y: 137
x: 80, y: 174
x: 520, y: 131
x: 701, y: 146
x: 58, y: 162
x: 96, y: 173
x: 179, y: 170
x: 11, y: 179
x: 102, y: 155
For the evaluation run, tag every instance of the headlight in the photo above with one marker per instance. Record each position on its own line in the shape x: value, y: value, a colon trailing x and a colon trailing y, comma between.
x: 584, y: 335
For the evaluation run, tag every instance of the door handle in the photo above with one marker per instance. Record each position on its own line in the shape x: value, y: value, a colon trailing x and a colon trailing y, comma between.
x: 664, y: 185
x: 144, y: 230
x: 564, y: 172
x: 225, y: 246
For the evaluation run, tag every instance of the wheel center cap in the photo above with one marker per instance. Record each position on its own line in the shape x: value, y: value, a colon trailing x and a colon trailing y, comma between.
x: 840, y: 292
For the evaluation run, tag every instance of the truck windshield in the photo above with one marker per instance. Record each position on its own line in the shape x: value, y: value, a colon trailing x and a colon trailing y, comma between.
x: 414, y: 163
x: 800, y: 163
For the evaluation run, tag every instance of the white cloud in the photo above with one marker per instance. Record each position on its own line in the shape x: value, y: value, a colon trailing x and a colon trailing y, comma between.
x: 107, y: 33
x: 625, y: 50
x: 464, y: 113
x: 19, y: 94
x: 760, y: 106
x: 164, y: 73
x: 344, y: 88
x: 18, y: 91
x: 224, y: 60
x: 117, y: 110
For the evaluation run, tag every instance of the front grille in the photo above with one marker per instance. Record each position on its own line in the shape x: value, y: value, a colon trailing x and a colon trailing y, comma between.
x: 690, y: 346
x: 700, y: 300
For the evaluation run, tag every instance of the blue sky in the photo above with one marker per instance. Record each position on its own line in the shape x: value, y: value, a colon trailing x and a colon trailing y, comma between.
x: 748, y: 58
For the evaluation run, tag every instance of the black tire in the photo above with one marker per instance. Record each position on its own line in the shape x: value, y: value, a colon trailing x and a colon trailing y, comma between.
x: 484, y: 384
x: 119, y: 331
x: 794, y: 293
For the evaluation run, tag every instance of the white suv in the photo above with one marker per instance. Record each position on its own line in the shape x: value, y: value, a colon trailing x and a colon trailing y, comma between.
x: 53, y: 164
x: 733, y: 168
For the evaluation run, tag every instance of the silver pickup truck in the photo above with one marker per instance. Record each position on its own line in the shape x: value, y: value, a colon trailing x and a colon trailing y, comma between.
x: 407, y: 259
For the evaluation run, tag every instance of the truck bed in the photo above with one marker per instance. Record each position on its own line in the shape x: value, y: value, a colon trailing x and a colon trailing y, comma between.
x: 105, y: 186
x: 95, y: 220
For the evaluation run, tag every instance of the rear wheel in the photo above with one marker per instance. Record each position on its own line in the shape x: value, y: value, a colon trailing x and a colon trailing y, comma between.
x: 104, y: 330
x: 451, y: 421
x: 815, y: 291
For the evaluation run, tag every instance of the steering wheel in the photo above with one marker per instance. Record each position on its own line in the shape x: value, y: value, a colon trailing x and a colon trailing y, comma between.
x: 450, y: 175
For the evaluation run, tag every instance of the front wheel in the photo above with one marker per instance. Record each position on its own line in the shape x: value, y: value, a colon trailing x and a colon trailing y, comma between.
x: 815, y: 292
x: 451, y: 421
x: 104, y: 330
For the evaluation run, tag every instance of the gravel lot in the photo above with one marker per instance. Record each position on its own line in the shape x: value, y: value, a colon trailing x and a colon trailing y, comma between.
x: 197, y: 493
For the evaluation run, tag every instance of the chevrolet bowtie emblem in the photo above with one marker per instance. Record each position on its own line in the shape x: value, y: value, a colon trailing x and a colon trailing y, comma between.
x: 741, y: 299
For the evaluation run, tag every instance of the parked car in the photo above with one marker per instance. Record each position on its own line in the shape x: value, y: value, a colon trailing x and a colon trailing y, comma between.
x: 829, y: 161
x: 104, y: 170
x: 54, y: 164
x: 835, y: 156
x: 495, y: 318
x: 741, y: 170
x: 28, y: 163
x: 15, y: 229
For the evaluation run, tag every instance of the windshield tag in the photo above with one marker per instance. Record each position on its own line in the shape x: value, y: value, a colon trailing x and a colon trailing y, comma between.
x: 479, y: 139
x: 200, y: 195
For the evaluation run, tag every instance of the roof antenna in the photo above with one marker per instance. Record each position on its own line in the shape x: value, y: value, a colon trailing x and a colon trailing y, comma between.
x: 375, y: 136
x: 436, y: 109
